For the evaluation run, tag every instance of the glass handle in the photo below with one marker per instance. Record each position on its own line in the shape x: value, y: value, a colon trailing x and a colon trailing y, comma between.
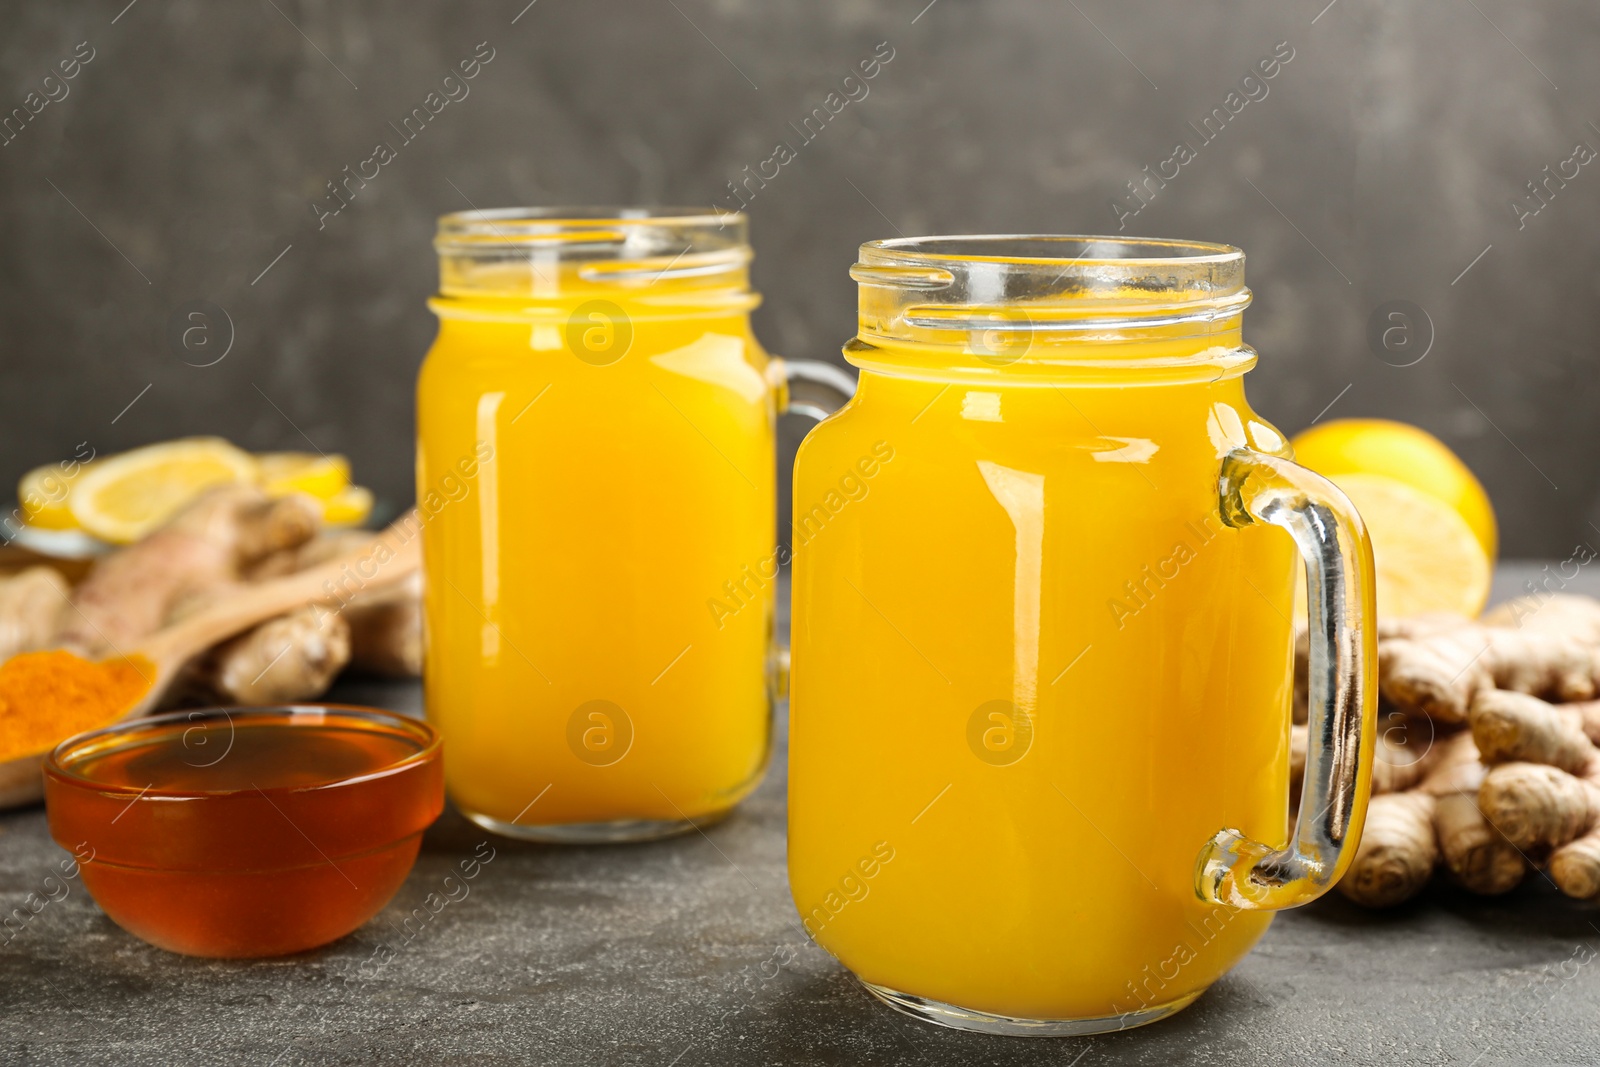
x: 815, y: 389
x: 810, y: 387
x: 1233, y: 869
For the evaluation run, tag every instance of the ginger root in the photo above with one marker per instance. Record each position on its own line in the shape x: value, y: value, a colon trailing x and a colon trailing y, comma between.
x: 1415, y: 626
x: 1588, y: 716
x: 1440, y: 673
x: 31, y: 604
x: 1436, y: 674
x: 1577, y: 617
x: 386, y: 631
x: 1510, y: 727
x: 1575, y: 866
x: 1474, y: 852
x: 1543, y: 664
x: 1477, y: 854
x: 1520, y: 786
x: 293, y: 657
x: 1538, y: 807
x: 298, y: 656
x: 134, y: 591
x: 1408, y: 833
x: 385, y: 628
x: 1541, y: 807
x: 1399, y: 847
x: 1397, y: 853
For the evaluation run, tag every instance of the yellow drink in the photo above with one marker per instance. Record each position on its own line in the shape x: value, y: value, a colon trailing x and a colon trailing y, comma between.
x: 1034, y: 669
x: 598, y: 435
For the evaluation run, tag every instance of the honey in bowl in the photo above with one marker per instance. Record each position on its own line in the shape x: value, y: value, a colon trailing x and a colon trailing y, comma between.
x: 240, y: 832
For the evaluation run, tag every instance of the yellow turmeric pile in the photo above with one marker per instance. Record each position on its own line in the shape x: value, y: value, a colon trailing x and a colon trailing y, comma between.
x: 46, y: 697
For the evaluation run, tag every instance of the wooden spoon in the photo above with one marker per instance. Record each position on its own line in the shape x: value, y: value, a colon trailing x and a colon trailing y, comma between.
x: 338, y: 581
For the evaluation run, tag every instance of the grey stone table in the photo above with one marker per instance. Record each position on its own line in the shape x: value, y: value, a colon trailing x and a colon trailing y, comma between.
x: 688, y: 952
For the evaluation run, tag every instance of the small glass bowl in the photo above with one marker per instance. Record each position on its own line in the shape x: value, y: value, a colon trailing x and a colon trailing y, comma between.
x: 241, y: 832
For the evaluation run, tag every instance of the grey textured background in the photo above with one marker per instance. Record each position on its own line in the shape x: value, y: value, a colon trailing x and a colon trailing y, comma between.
x: 1382, y: 162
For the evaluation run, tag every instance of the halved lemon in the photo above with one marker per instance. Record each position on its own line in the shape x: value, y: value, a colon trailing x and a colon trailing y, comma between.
x: 45, y: 493
x: 1428, y: 558
x: 1404, y: 453
x: 124, y: 497
x: 350, y: 506
x: 283, y: 473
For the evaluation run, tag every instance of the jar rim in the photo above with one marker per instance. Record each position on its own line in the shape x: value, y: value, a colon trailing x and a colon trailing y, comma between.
x: 1049, y: 302
x: 1014, y: 248
x: 462, y: 231
x: 543, y: 252
x: 1132, y: 276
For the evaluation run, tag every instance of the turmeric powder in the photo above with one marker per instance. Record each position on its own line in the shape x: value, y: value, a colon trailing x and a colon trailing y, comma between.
x: 46, y: 697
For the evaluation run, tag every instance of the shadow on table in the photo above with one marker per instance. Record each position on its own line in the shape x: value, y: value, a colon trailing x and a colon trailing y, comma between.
x: 1535, y: 907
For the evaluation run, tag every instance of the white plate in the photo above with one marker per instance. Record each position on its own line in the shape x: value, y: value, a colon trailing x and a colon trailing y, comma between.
x: 61, y: 544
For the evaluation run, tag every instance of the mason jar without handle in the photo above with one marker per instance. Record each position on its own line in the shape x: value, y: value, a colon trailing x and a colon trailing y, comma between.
x: 1042, y: 659
x: 596, y: 481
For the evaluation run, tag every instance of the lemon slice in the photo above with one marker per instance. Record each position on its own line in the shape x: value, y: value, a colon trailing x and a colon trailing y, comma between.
x: 44, y: 493
x: 125, y: 497
x: 283, y: 473
x: 350, y: 506
x: 1428, y: 558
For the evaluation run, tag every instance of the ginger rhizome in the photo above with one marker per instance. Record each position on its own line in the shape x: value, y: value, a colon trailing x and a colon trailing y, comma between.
x: 1510, y: 778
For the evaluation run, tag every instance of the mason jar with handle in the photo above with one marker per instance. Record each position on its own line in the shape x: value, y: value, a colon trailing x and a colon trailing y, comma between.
x: 596, y: 488
x: 1043, y: 652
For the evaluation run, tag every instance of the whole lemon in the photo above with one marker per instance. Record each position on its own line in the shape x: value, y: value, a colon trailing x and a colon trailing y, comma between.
x: 1432, y: 529
x: 1405, y: 454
